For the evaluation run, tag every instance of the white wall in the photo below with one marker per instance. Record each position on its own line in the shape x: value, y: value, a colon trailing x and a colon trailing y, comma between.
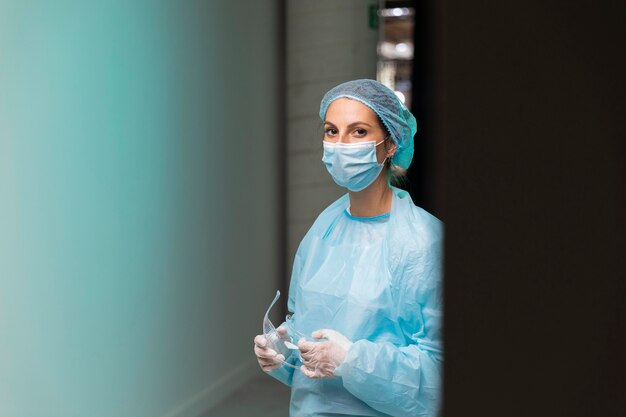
x: 138, y: 203
x: 328, y: 42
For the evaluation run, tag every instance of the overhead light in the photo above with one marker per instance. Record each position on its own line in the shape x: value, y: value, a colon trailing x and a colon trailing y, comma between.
x: 396, y: 12
x: 400, y: 96
x: 402, y: 48
x: 390, y: 50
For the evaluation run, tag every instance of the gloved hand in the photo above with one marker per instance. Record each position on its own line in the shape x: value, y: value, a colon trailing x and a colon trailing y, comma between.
x: 268, y: 358
x: 322, y: 358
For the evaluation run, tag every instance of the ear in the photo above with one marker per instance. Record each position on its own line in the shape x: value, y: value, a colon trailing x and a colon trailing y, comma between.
x: 391, y: 148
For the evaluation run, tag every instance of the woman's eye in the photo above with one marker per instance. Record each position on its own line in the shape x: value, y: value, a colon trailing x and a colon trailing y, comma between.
x: 360, y: 132
x: 330, y: 131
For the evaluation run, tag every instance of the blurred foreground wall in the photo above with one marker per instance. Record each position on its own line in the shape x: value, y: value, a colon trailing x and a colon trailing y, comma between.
x: 533, y: 180
x: 139, y: 209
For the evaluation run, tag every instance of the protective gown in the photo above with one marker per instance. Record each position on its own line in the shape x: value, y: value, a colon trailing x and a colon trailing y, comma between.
x: 376, y: 280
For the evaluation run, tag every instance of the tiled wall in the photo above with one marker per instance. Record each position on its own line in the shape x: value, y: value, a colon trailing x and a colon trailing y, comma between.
x: 328, y: 42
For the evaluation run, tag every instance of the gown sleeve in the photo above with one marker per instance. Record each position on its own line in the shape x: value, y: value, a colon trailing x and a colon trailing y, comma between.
x: 404, y: 380
x: 285, y: 373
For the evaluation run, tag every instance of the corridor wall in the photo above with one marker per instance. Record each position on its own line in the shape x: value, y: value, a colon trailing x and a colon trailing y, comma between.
x: 139, y: 214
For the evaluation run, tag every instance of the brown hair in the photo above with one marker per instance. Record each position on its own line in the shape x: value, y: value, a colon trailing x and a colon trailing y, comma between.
x: 395, y: 174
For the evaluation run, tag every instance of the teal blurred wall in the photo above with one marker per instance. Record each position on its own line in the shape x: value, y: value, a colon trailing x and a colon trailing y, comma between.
x: 139, y: 193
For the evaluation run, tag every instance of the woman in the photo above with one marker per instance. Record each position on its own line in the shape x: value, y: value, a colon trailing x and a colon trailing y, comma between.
x: 366, y: 278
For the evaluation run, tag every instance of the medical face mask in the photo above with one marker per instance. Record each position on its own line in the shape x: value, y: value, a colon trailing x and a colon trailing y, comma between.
x: 352, y: 165
x: 283, y: 345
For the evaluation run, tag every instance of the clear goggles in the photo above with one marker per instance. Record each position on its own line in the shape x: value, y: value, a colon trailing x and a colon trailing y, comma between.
x: 285, y: 344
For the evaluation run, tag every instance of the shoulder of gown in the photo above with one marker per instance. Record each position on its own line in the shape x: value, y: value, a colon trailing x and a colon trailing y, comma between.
x: 328, y: 216
x: 415, y: 249
x: 414, y: 226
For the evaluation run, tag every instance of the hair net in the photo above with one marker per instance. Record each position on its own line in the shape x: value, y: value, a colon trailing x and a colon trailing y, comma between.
x: 393, y: 113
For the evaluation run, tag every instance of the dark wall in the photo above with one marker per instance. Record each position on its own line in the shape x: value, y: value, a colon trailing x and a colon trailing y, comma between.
x: 422, y: 173
x: 530, y: 147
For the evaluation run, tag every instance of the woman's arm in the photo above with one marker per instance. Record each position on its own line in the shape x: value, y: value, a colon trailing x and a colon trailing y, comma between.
x: 399, y: 381
x: 404, y: 380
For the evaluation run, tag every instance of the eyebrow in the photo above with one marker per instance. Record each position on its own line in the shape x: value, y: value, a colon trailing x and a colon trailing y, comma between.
x: 350, y: 125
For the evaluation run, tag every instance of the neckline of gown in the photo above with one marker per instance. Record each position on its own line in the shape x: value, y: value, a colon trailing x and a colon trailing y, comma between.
x: 377, y: 217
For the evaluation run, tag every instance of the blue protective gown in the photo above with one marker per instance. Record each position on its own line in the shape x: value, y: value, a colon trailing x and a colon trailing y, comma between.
x: 376, y: 280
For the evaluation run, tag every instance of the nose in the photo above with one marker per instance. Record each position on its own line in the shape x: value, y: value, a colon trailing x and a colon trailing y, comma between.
x: 342, y: 138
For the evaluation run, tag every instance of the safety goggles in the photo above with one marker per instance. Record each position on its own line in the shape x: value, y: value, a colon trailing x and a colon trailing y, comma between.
x: 283, y: 345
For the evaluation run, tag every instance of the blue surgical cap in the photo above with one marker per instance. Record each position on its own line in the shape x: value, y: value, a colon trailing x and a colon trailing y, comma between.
x: 395, y: 116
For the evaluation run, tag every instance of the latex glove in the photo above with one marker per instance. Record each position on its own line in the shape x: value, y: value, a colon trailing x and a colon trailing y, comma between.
x: 268, y: 358
x: 322, y: 358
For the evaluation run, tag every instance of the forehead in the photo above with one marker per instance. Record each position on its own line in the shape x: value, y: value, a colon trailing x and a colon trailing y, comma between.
x: 346, y: 110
